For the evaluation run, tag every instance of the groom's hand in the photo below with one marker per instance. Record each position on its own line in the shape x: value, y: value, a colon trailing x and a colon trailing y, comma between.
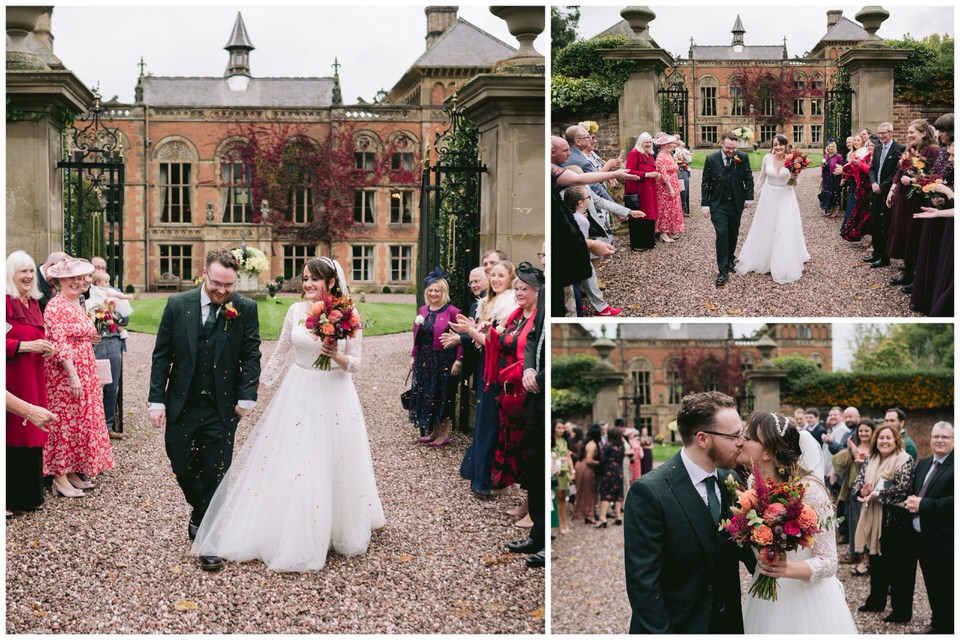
x: 706, y: 211
x: 240, y: 411
x: 158, y: 418
x: 747, y: 203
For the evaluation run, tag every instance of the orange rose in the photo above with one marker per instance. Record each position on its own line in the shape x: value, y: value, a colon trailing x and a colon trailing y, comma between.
x: 808, y: 517
x: 748, y: 500
x: 328, y: 329
x: 762, y: 535
x: 317, y: 308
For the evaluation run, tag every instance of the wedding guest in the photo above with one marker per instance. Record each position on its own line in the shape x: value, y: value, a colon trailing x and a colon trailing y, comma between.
x: 577, y: 200
x: 611, y: 477
x: 830, y: 180
x: 78, y: 442
x: 931, y: 503
x: 579, y: 140
x: 858, y: 221
x: 471, y: 364
x: 27, y: 347
x: 598, y: 216
x: 904, y: 241
x: 435, y: 367
x: 561, y: 452
x: 491, y: 257
x: 636, y: 453
x: 646, y: 442
x: 585, y: 476
x: 812, y: 424
x: 847, y: 463
x: 882, y: 171
x: 684, y: 159
x: 641, y: 194
x: 669, y: 207
x: 896, y: 418
x: 884, y: 482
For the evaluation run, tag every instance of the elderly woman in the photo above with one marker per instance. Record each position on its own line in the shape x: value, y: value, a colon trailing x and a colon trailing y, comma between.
x: 641, y: 195
x: 435, y: 367
x: 669, y: 208
x: 847, y: 463
x: 26, y: 349
x: 493, y: 310
x: 884, y: 482
x: 78, y: 443
x: 830, y: 181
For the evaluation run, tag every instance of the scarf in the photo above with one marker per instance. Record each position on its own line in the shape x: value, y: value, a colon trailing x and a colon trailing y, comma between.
x: 870, y: 529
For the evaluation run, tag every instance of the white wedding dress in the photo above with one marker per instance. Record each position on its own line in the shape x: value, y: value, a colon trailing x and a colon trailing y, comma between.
x: 303, y: 483
x: 813, y: 606
x: 775, y: 243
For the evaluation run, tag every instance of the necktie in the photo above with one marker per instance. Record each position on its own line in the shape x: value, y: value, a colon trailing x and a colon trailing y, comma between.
x: 926, y: 483
x: 211, y: 318
x: 713, y: 502
x: 726, y: 161
x: 883, y: 156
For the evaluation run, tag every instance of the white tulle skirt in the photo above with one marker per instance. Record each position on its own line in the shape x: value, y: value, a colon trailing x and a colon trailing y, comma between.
x: 775, y: 242
x: 303, y: 482
x: 801, y: 607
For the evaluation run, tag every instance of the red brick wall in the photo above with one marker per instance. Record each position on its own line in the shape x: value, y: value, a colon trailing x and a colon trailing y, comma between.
x: 905, y: 112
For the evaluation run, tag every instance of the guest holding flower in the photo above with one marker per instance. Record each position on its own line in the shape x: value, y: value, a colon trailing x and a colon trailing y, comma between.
x: 79, y: 442
x: 435, y: 367
x: 669, y: 207
x: 26, y: 349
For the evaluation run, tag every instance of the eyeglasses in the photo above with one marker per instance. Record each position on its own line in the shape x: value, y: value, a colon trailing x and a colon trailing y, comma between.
x: 941, y: 437
x: 221, y: 285
x: 734, y: 436
x: 582, y: 138
x: 541, y: 255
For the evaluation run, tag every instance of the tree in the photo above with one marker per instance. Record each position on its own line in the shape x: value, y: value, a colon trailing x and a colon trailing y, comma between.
x: 563, y: 27
x: 769, y: 93
x: 572, y: 394
x: 919, y: 347
x: 710, y: 370
x: 583, y: 81
x: 926, y: 76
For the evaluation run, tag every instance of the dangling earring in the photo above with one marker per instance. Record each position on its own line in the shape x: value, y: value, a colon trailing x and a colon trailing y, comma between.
x: 781, y: 471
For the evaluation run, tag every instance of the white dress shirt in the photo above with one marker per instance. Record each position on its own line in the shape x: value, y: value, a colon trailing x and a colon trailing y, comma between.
x: 697, y: 477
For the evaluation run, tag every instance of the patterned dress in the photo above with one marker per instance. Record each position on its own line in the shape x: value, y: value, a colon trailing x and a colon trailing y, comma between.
x: 434, y: 389
x: 509, y: 452
x: 611, y: 476
x: 78, y: 442
x: 830, y: 197
x: 857, y: 224
x: 669, y: 209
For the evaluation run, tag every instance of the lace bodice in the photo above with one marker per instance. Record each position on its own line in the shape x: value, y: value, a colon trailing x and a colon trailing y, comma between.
x: 770, y: 175
x: 305, y: 348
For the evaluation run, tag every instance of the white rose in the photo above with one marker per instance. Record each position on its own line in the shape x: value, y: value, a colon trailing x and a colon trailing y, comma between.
x: 418, y: 320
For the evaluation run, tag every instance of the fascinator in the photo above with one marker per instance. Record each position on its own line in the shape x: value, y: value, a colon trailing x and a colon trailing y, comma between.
x: 531, y: 274
x: 433, y: 276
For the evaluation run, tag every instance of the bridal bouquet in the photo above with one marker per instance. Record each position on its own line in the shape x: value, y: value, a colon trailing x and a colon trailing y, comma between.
x: 911, y: 164
x: 332, y: 319
x: 773, y: 519
x: 105, y: 317
x: 795, y: 162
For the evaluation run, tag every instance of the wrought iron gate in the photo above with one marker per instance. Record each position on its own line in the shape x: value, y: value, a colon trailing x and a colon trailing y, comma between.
x: 450, y: 219
x: 838, y: 116
x: 673, y: 109
x: 93, y: 201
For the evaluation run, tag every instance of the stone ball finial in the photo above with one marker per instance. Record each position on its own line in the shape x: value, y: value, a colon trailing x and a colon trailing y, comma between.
x: 871, y: 17
x: 639, y: 18
x: 21, y: 21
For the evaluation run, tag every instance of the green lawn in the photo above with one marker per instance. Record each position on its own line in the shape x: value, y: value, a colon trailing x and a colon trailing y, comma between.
x: 379, y: 318
x: 756, y: 158
x: 663, y: 452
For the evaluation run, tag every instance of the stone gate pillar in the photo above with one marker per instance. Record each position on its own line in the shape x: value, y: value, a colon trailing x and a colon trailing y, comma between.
x: 639, y: 104
x: 766, y: 378
x: 507, y: 106
x: 606, y: 406
x: 871, y: 68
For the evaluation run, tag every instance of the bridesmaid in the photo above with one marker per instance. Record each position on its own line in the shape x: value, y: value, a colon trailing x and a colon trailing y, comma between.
x: 669, y: 207
x: 585, y: 473
x: 641, y: 195
x: 646, y: 463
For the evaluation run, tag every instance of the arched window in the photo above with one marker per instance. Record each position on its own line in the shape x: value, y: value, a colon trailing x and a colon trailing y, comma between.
x: 300, y: 180
x: 236, y: 184
x: 175, y: 159
x: 738, y: 96
x: 641, y: 377
x: 708, y: 96
x: 768, y: 102
x: 366, y: 144
x: 437, y: 94
x: 799, y: 81
x: 819, y: 359
x: 674, y: 382
x: 816, y: 83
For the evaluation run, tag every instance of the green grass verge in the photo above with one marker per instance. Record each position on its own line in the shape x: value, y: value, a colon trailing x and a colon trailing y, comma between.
x: 663, y: 452
x: 380, y: 318
x: 756, y: 158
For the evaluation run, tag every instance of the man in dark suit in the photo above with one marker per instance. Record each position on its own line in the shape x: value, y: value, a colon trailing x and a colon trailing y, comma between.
x: 727, y: 188
x: 206, y: 368
x: 45, y: 287
x: 812, y: 415
x: 682, y: 573
x: 932, y: 506
x: 886, y: 156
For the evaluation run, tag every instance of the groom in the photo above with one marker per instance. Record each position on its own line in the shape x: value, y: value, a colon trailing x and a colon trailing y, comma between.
x: 727, y: 188
x: 206, y: 366
x: 682, y: 573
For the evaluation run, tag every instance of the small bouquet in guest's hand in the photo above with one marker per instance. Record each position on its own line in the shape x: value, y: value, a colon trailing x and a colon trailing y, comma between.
x: 773, y: 519
x: 912, y: 164
x: 795, y: 162
x: 926, y: 184
x: 331, y: 319
x: 105, y: 317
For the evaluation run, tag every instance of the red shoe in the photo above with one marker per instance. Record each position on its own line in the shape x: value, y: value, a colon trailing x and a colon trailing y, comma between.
x: 610, y: 312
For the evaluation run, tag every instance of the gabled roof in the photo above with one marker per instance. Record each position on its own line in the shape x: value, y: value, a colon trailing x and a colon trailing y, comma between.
x: 465, y: 45
x: 663, y: 331
x: 215, y: 92
x: 239, y: 37
x: 622, y: 28
x: 846, y: 30
x: 749, y: 52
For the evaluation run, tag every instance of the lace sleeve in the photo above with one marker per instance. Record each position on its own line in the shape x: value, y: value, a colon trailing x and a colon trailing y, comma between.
x: 897, y: 489
x: 279, y: 359
x: 352, y: 349
x: 823, y: 563
x: 763, y: 170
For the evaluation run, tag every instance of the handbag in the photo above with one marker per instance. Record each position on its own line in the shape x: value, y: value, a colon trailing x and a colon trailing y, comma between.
x: 512, y: 392
x: 103, y: 372
x: 405, y: 396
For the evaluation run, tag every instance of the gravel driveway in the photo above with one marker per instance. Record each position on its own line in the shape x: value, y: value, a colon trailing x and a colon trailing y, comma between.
x: 678, y: 279
x: 588, y: 590
x: 117, y: 560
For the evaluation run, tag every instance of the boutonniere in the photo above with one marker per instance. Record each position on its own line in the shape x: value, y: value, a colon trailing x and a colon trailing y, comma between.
x: 419, y: 320
x: 736, y: 159
x: 230, y: 313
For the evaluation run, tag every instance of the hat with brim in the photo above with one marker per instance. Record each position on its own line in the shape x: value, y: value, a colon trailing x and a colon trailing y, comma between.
x: 664, y: 138
x: 69, y: 268
x: 531, y: 275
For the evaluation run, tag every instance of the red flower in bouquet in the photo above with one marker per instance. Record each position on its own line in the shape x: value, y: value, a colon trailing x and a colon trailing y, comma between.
x: 772, y: 519
x: 925, y: 184
x: 332, y: 319
x: 105, y: 317
x: 795, y: 162
x: 912, y: 164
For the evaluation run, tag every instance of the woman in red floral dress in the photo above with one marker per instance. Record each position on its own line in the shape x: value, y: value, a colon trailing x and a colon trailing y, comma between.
x: 669, y: 207
x: 79, y: 443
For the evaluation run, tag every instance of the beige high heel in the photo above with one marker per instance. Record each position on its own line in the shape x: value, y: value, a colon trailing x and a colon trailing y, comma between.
x: 66, y: 493
x: 78, y: 483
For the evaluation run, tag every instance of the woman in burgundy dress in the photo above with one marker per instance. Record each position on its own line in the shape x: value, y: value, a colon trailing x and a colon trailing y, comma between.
x: 646, y: 464
x: 26, y: 349
x: 904, y: 241
x: 641, y: 195
x: 508, y: 456
x: 79, y: 442
x: 669, y: 206
x: 933, y: 285
x: 585, y: 475
x: 857, y: 172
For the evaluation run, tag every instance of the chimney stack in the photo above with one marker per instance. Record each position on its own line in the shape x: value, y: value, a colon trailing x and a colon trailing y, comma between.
x: 833, y: 17
x: 439, y: 20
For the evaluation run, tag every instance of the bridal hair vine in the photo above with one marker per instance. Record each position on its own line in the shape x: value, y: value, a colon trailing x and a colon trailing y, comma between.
x: 328, y: 261
x: 780, y: 429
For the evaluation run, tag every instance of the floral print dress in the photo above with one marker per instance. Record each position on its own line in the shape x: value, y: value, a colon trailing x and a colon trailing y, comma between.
x: 669, y: 208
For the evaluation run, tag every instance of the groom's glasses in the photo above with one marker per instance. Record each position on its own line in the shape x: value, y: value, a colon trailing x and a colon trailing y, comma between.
x: 735, y: 436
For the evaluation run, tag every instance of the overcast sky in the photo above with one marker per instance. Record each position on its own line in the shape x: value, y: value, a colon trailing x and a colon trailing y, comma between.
x: 842, y: 335
x: 374, y: 45
x: 765, y: 23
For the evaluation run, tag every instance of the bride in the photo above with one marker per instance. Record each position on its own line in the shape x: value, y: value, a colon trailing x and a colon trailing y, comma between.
x: 775, y: 243
x: 303, y: 482
x: 810, y: 597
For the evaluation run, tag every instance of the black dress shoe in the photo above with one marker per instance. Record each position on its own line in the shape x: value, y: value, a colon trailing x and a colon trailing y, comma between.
x: 722, y: 279
x: 902, y: 279
x: 192, y: 530
x: 882, y: 262
x: 871, y: 607
x: 536, y: 560
x: 893, y: 617
x: 211, y: 563
x: 523, y: 546
x: 908, y: 288
x: 870, y: 258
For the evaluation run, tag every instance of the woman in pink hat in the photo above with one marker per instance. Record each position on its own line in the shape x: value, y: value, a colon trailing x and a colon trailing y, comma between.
x: 79, y: 442
x: 670, y: 209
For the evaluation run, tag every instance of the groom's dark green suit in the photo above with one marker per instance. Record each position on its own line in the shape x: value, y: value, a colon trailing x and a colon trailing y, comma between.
x: 725, y: 187
x: 682, y: 574
x: 200, y: 375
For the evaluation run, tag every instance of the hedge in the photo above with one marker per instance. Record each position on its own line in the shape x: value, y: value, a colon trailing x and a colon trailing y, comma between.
x: 877, y: 389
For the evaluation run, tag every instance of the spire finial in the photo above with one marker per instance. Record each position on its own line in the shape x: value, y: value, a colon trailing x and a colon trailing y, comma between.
x: 141, y: 64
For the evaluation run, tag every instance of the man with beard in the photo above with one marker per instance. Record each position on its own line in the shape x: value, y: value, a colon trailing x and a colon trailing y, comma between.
x: 682, y: 573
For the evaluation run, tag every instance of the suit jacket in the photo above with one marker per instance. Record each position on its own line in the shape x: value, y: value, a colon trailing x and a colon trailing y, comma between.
x: 883, y: 175
x: 817, y: 432
x: 440, y: 326
x: 682, y: 575
x: 578, y: 159
x: 45, y: 289
x: 741, y: 180
x: 236, y: 354
x: 936, y: 506
x: 530, y: 360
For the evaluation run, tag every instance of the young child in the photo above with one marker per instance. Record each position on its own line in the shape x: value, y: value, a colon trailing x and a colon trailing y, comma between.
x: 101, y: 280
